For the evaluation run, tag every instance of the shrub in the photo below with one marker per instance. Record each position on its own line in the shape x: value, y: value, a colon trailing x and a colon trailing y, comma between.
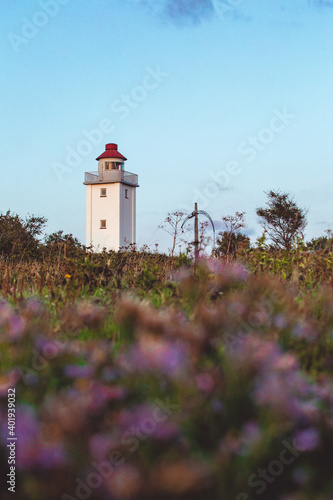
x: 19, y: 237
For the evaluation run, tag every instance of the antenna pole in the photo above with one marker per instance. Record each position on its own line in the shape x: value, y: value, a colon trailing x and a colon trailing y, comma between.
x: 196, y: 234
x: 195, y: 215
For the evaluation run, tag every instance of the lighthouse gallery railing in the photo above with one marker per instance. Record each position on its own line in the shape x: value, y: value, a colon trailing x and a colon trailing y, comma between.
x: 111, y: 176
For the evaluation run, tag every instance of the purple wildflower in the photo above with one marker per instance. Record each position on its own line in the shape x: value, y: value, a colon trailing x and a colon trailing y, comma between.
x: 258, y: 352
x: 51, y: 455
x: 27, y: 430
x: 135, y: 416
x: 229, y: 272
x: 33, y: 450
x: 215, y: 266
x: 287, y: 392
x: 149, y: 420
x: 78, y: 371
x: 100, y: 394
x: 251, y: 435
x: 16, y: 327
x: 34, y: 307
x: 49, y: 348
x: 166, y: 430
x: 280, y: 321
x: 100, y: 445
x: 6, y: 312
x: 204, y: 382
x: 303, y: 330
x: 307, y: 440
x: 286, y: 362
x: 169, y: 358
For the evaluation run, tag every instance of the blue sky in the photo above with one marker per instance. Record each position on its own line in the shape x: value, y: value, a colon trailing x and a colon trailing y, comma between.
x: 211, y: 101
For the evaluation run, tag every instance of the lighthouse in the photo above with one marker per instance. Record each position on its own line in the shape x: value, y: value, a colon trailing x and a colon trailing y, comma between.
x: 111, y: 202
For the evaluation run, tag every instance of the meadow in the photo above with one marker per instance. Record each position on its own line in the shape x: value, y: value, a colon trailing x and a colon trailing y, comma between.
x: 141, y: 376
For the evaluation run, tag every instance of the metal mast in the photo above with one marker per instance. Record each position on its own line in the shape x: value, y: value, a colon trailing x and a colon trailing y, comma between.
x: 195, y: 214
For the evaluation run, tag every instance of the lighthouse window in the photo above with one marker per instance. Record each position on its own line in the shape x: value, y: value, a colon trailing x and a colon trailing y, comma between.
x: 103, y: 224
x: 113, y: 165
x: 126, y: 193
x: 110, y: 165
x: 103, y: 192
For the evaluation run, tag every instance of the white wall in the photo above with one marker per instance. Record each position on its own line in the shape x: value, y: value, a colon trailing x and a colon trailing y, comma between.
x: 128, y: 216
x: 118, y: 211
x: 103, y: 208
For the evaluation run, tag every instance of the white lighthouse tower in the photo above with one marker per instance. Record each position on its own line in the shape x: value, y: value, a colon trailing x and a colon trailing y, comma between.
x: 111, y: 202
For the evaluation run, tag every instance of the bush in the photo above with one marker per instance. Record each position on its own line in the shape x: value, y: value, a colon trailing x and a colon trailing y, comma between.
x: 19, y: 237
x: 59, y: 244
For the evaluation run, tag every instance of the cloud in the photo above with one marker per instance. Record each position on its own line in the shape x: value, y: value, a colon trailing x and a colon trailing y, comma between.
x: 322, y: 3
x: 194, y: 11
x: 184, y: 12
x: 181, y: 11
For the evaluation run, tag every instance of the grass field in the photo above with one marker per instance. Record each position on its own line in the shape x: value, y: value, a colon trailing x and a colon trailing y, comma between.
x: 137, y: 375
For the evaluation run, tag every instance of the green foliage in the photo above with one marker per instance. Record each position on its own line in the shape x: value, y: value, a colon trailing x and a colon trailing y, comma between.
x: 231, y: 244
x: 283, y: 220
x: 68, y: 274
x: 19, y: 237
x: 306, y: 269
x: 59, y: 244
x: 322, y: 243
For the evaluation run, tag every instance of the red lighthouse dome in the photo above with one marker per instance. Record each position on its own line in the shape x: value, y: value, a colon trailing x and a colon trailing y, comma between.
x: 111, y: 151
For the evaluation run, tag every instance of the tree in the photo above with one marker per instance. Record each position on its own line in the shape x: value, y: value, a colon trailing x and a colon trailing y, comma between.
x: 172, y: 225
x: 231, y: 240
x: 60, y: 244
x: 231, y: 244
x: 19, y: 237
x: 282, y: 220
